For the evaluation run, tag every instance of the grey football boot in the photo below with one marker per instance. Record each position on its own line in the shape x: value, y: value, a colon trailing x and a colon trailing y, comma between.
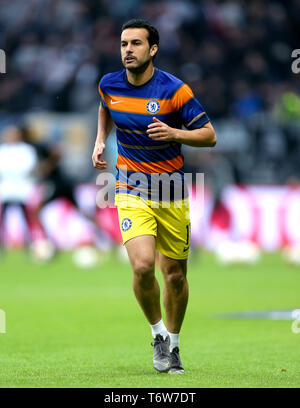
x: 161, y: 354
x: 176, y: 364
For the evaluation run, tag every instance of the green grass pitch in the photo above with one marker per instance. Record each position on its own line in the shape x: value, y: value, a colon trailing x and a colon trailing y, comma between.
x: 68, y: 327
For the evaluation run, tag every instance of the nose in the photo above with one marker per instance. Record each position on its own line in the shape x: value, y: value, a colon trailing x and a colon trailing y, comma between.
x: 128, y: 49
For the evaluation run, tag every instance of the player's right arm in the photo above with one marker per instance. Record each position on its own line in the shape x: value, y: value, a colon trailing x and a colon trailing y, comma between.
x: 105, y: 125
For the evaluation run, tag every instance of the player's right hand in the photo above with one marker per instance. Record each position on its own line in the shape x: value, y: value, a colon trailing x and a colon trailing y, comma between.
x: 98, y: 151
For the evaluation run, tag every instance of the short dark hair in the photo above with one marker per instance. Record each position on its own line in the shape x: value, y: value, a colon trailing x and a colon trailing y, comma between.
x: 153, y: 36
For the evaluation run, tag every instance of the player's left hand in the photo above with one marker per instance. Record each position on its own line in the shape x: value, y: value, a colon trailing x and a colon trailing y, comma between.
x: 160, y: 131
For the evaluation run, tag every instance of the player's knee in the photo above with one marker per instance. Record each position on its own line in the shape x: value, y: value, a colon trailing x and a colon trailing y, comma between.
x: 175, y: 279
x: 144, y: 272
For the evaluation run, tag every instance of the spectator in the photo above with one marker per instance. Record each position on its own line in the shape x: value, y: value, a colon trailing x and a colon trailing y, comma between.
x: 18, y: 163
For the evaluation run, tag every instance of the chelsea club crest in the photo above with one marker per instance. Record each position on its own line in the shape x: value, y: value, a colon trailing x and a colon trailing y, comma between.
x: 126, y: 224
x: 153, y: 106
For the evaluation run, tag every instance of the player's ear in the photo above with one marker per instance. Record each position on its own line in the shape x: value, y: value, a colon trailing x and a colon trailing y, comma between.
x: 153, y: 50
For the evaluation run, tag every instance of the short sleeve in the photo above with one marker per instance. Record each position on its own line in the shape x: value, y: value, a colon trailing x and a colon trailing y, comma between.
x: 102, y: 94
x: 190, y: 110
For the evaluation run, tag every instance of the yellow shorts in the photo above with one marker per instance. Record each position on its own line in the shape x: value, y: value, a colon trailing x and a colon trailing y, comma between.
x: 170, y: 226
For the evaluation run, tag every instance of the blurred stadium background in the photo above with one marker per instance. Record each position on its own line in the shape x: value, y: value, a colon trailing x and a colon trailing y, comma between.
x: 236, y: 56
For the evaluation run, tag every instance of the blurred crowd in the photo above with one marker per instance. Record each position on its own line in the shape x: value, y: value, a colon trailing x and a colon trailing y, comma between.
x: 235, y: 54
x: 53, y: 216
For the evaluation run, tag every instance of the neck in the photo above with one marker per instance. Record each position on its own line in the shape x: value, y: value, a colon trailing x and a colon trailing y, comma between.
x: 140, y: 78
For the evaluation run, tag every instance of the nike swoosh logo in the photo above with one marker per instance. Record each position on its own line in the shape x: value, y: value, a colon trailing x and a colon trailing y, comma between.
x: 113, y: 103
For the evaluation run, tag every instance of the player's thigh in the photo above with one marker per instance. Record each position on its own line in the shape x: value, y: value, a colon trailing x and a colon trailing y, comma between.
x: 139, y: 229
x: 135, y: 222
x: 173, y: 232
x: 141, y: 252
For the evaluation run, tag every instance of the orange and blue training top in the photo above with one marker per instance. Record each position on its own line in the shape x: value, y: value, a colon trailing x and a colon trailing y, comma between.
x: 132, y: 109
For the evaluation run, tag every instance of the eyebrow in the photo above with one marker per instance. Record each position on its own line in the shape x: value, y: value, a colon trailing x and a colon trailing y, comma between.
x: 135, y: 39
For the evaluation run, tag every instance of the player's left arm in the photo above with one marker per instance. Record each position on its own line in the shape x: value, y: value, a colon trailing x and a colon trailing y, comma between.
x: 204, y: 136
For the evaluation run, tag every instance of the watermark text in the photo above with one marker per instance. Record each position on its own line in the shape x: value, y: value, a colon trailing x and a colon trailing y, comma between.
x: 154, y: 190
x: 2, y: 322
x: 2, y: 62
x: 296, y: 322
x: 296, y: 62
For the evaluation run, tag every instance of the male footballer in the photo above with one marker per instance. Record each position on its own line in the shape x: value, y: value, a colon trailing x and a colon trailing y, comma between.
x: 149, y: 107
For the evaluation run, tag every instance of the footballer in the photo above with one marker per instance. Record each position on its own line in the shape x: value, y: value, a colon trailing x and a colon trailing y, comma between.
x: 149, y: 107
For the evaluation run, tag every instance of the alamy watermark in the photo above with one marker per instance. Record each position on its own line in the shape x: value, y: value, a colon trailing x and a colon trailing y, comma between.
x: 2, y: 62
x: 154, y: 190
x: 296, y: 322
x: 296, y: 62
x: 2, y: 322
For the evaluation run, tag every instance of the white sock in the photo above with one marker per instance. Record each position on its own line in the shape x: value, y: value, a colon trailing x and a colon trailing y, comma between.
x: 159, y: 328
x: 174, y: 340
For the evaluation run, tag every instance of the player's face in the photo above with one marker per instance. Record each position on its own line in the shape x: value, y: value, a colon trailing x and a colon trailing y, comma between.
x: 135, y: 49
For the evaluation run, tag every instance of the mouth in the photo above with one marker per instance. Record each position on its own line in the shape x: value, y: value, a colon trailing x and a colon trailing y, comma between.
x: 129, y: 59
